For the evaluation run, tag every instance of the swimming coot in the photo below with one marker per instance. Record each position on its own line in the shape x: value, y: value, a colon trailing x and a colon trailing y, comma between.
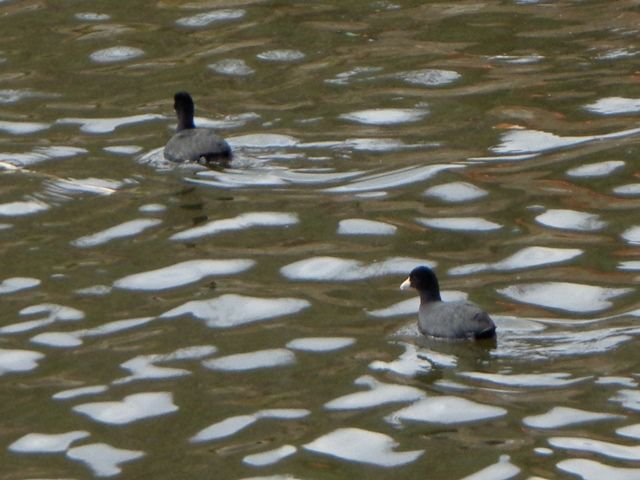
x: 191, y: 144
x: 453, y: 320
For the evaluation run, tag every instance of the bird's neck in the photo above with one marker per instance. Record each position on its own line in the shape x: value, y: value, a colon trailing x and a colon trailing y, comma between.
x: 185, y: 120
x: 428, y: 297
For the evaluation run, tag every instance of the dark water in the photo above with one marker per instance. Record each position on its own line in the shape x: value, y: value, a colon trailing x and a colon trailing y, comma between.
x: 162, y: 322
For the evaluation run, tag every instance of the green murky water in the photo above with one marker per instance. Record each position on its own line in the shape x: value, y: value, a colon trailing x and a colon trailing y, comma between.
x: 163, y: 322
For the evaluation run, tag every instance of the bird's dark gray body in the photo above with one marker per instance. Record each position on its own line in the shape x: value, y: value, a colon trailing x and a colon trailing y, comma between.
x: 191, y: 144
x: 197, y: 145
x: 450, y: 320
x: 454, y: 320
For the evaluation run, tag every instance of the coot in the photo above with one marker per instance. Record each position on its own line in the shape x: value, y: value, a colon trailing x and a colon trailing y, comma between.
x: 191, y: 144
x: 452, y: 320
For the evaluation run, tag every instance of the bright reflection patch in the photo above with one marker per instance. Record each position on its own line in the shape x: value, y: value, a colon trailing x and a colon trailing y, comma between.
x: 446, y: 410
x: 18, y: 360
x: 123, y: 230
x: 104, y: 460
x: 275, y: 357
x: 181, y: 274
x: 361, y: 226
x: 477, y: 224
x: 573, y: 297
x: 344, y: 270
x: 270, y: 457
x: 363, y: 446
x: 46, y: 443
x: 131, y: 409
x: 232, y: 310
x: 455, y: 192
x: 571, y: 220
x: 116, y: 54
x: 379, y: 393
x: 560, y: 417
x: 230, y: 426
x: 385, y: 116
x: 592, y: 470
x: 526, y: 258
x: 241, y: 222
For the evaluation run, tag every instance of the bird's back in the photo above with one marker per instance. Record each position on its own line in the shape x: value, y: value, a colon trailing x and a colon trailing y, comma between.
x: 455, y: 320
x: 197, y: 145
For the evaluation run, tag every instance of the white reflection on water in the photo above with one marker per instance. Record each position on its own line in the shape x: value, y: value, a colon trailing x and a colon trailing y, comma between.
x: 628, y: 399
x: 559, y: 417
x: 41, y: 154
x: 207, y: 18
x: 77, y: 186
x: 460, y: 224
x: 47, y: 443
x: 533, y: 141
x: 379, y: 393
x: 241, y: 222
x: 74, y: 338
x: 598, y: 169
x: 344, y: 270
x: 570, y: 343
x: 103, y: 459
x: 265, y: 177
x: 364, y: 446
x: 53, y: 313
x: 131, y: 409
x: 320, y: 344
x: 526, y: 380
x: 20, y: 208
x: 526, y: 258
x: 15, y: 284
x: 22, y: 128
x: 408, y: 364
x: 571, y: 220
x: 445, y: 410
x: 386, y: 116
x: 181, y: 274
x: 234, y: 67
x: 593, y: 470
x: 143, y: 367
x: 116, y: 54
x: 127, y: 229
x: 232, y: 310
x: 573, y: 297
x: 456, y: 192
x: 607, y: 449
x: 79, y: 392
x: 361, y: 226
x: 282, y: 55
x: 629, y: 189
x: 18, y: 360
x: 92, y: 16
x: 502, y: 470
x: 108, y: 125
x: 614, y: 106
x: 232, y: 425
x: 429, y: 77
x: 270, y: 457
x: 392, y: 179
x: 630, y: 431
x: 240, y: 362
x: 632, y: 235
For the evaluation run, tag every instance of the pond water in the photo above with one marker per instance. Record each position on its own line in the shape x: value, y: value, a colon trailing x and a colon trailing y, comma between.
x: 247, y: 322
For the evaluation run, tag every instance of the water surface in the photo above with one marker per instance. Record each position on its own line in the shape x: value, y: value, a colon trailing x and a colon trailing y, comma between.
x: 247, y: 322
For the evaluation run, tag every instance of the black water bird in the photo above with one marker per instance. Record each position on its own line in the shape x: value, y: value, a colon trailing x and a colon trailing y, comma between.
x: 192, y: 144
x: 451, y: 320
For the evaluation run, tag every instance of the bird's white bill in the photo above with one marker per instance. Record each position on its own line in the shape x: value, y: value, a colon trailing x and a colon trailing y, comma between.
x: 406, y: 284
